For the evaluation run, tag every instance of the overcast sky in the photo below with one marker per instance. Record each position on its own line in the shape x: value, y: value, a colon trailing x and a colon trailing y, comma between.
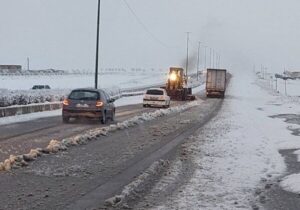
x: 61, y: 33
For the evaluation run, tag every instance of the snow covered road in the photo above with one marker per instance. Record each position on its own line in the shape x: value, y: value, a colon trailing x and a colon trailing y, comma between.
x: 233, y: 162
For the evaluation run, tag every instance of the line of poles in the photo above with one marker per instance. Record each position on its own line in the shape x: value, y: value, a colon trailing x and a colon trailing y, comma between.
x: 214, y: 60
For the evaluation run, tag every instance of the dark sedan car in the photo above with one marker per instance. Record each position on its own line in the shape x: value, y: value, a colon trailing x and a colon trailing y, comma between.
x: 90, y: 103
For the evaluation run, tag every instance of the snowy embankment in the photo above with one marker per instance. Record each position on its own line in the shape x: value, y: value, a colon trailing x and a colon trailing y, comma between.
x: 123, y: 101
x: 37, y: 98
x: 15, y: 90
x: 236, y: 152
x: 90, y: 135
x: 289, y: 100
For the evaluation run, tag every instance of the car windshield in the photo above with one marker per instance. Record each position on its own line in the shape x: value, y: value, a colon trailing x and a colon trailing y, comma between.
x: 84, y: 95
x: 155, y: 92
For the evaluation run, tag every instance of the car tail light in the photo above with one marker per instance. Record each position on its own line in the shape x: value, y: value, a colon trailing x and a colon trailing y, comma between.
x: 66, y: 102
x: 99, y: 104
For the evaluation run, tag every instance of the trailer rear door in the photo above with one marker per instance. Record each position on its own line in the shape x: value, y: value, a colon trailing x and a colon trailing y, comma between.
x: 216, y: 80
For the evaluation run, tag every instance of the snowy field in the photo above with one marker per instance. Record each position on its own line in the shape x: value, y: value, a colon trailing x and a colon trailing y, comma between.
x: 15, y: 90
x: 120, y: 102
x: 121, y: 80
x: 235, y: 152
x: 292, y: 86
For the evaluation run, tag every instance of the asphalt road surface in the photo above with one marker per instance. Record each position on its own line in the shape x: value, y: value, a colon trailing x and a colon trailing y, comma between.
x: 19, y: 138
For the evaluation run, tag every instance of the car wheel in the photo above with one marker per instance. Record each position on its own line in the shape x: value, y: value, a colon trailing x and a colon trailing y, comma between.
x: 144, y: 105
x: 66, y: 119
x: 103, y: 119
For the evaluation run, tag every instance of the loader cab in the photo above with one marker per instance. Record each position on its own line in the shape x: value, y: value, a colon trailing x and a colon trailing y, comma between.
x: 176, y: 78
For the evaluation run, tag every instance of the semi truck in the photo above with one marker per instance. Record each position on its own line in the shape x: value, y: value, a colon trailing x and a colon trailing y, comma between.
x: 216, y: 82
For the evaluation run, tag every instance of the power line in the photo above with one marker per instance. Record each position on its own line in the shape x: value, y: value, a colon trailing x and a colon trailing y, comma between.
x: 144, y: 26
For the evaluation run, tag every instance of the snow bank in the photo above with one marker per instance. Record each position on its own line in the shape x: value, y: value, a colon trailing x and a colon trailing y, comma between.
x: 131, y: 188
x: 291, y: 183
x: 23, y: 97
x: 129, y: 85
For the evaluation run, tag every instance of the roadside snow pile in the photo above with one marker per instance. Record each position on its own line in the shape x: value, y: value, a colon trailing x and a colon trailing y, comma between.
x: 291, y: 183
x: 138, y: 183
x: 55, y: 146
x: 23, y: 97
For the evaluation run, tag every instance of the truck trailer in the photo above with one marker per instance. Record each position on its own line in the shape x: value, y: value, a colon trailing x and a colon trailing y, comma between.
x: 216, y: 82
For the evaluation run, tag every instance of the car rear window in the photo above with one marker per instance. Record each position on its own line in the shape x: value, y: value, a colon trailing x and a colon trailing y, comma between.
x: 155, y: 92
x: 84, y: 95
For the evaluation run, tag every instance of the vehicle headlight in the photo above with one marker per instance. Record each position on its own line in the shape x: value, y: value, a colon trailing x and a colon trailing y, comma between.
x: 173, y: 77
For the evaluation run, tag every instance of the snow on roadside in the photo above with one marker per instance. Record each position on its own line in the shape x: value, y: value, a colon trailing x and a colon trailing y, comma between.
x: 33, y: 116
x: 119, y: 102
x: 129, y: 100
x: 291, y: 183
x: 131, y: 188
x: 29, y: 117
x: 235, y: 151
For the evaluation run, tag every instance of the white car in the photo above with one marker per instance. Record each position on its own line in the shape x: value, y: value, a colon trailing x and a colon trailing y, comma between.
x: 156, y: 97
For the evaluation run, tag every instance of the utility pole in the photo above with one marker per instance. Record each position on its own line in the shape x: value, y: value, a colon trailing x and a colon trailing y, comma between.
x: 97, y: 45
x: 28, y: 64
x: 187, y: 55
x: 198, y: 61
x: 205, y: 57
x: 210, y: 51
x: 285, y: 86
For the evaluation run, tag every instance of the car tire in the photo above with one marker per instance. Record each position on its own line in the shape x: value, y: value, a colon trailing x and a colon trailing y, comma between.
x: 144, y: 105
x: 66, y: 119
x: 103, y: 118
x: 167, y: 105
